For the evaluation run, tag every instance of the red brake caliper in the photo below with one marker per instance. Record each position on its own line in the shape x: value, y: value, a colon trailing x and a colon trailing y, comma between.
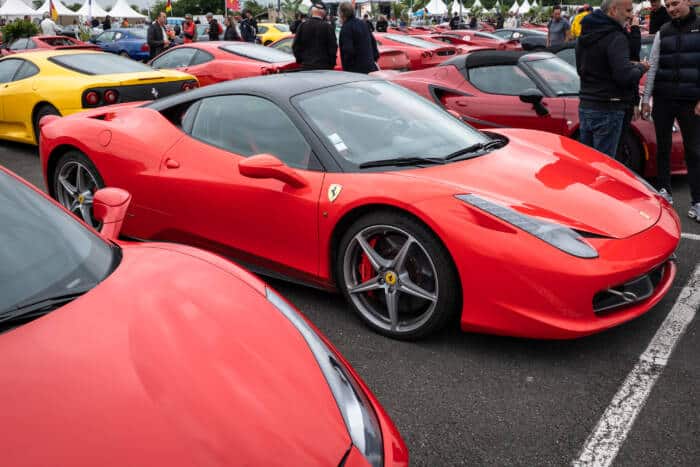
x: 365, y: 267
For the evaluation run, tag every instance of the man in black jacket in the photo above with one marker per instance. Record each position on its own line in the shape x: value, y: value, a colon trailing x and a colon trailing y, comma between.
x: 382, y: 24
x: 674, y: 82
x: 658, y: 17
x: 608, y: 77
x: 156, y: 37
x: 315, y: 46
x: 358, y: 49
x: 249, y: 27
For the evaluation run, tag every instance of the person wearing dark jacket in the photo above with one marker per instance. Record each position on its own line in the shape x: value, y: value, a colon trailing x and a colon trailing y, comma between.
x: 634, y: 36
x: 214, y: 30
x: 609, y: 80
x: 658, y: 17
x: 382, y: 24
x: 368, y: 22
x: 249, y: 27
x: 315, y: 46
x: 454, y: 22
x: 107, y: 24
x: 358, y: 49
x: 231, y: 33
x: 499, y: 20
x: 156, y: 36
x: 674, y: 82
x: 295, y: 24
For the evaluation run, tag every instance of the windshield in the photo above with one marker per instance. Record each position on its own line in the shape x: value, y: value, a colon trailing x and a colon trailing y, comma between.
x: 379, y: 120
x: 258, y: 52
x: 414, y: 41
x: 558, y: 75
x: 44, y: 251
x: 99, y: 63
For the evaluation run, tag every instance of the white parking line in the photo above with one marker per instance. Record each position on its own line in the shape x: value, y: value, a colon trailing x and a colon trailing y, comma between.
x: 690, y: 236
x: 603, y: 444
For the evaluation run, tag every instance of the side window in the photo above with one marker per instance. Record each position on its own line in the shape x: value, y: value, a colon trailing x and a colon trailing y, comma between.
x: 8, y: 68
x: 568, y: 55
x: 248, y: 125
x: 175, y: 58
x: 118, y: 35
x: 501, y: 79
x: 31, y: 44
x: 201, y: 57
x: 262, y: 29
x: 26, y: 70
x: 105, y: 37
x: 19, y: 44
x: 285, y: 46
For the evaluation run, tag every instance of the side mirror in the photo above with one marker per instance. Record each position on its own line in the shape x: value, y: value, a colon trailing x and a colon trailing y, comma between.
x: 109, y: 206
x: 535, y: 98
x: 268, y: 166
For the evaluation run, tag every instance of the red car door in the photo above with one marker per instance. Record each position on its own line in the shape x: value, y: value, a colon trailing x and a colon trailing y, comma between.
x: 495, y: 101
x: 256, y: 220
x: 201, y: 66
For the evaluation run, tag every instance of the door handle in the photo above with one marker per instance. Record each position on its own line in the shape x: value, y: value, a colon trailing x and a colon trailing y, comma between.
x: 461, y: 103
x: 172, y: 164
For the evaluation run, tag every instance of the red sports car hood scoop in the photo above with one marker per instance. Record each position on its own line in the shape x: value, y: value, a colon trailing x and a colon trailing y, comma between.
x: 172, y: 361
x: 555, y: 178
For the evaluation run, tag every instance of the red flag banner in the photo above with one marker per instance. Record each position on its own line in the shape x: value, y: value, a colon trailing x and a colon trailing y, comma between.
x: 169, y: 6
x: 233, y: 5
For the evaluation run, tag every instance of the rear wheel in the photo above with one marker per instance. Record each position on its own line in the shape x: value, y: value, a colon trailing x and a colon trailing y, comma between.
x: 397, y: 275
x: 75, y: 181
x: 124, y: 54
x: 630, y: 152
x: 39, y: 113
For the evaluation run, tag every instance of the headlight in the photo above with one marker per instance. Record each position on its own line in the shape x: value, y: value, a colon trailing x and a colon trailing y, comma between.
x: 359, y: 416
x: 558, y: 236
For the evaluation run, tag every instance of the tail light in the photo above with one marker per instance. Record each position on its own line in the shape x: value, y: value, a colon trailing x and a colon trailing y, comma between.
x: 92, y: 98
x: 144, y: 47
x: 269, y: 70
x: 426, y: 54
x: 111, y: 96
x: 189, y: 85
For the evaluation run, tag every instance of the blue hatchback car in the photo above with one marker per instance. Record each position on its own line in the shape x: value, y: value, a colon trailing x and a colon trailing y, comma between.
x: 129, y: 42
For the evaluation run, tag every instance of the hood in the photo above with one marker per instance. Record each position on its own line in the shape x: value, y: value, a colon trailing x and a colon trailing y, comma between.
x: 172, y: 360
x: 556, y: 179
x: 596, y: 26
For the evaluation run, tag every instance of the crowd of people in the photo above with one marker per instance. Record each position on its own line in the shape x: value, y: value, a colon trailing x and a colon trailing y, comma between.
x: 607, y: 61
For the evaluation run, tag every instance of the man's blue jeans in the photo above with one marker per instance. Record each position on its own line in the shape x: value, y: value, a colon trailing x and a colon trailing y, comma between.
x: 601, y: 129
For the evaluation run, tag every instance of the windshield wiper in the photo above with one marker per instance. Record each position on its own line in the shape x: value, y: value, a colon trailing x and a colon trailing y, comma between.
x: 402, y: 161
x: 40, y: 307
x: 476, y: 148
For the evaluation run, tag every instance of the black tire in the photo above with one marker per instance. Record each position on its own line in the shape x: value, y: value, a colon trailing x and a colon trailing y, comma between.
x: 267, y: 43
x: 39, y: 113
x: 630, y: 152
x: 124, y: 54
x: 428, y: 250
x: 71, y: 158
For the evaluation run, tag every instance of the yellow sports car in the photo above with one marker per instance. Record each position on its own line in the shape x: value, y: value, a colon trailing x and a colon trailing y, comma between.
x: 62, y: 82
x: 270, y: 32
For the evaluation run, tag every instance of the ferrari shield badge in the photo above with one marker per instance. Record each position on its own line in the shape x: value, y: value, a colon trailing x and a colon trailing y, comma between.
x: 334, y: 191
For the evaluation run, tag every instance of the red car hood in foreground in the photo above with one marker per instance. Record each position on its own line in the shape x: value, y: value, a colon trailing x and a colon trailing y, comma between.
x: 168, y: 362
x: 554, y: 178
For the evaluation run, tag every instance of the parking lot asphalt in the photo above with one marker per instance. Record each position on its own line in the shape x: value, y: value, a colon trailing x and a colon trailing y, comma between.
x: 469, y: 399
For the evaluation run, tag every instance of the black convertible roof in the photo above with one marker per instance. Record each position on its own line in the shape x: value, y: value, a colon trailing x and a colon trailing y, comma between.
x: 278, y: 86
x: 492, y: 58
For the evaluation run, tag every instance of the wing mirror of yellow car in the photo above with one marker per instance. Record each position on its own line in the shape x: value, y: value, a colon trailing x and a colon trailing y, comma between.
x: 268, y: 166
x: 109, y: 206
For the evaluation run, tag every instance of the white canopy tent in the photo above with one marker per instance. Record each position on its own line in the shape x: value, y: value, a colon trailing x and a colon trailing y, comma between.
x: 524, y: 8
x: 514, y: 7
x: 96, y: 12
x: 60, y: 8
x: 436, y: 7
x: 16, y: 9
x: 477, y: 4
x: 121, y: 9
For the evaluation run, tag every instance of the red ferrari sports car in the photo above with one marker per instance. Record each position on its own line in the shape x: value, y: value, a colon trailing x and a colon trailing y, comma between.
x: 120, y: 353
x: 421, y: 53
x: 213, y: 62
x: 476, y: 38
x: 344, y: 181
x: 496, y: 89
x: 390, y: 58
x: 27, y: 44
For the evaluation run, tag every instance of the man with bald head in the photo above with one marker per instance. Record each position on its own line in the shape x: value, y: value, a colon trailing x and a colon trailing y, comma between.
x: 609, y: 80
x: 315, y: 45
x: 674, y: 83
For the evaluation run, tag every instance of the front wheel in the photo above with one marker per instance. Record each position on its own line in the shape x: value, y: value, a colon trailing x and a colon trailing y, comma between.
x: 75, y: 181
x: 397, y: 275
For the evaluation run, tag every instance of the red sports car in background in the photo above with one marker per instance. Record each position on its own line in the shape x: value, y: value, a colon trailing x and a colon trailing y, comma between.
x: 26, y: 44
x: 476, y: 38
x: 499, y: 89
x: 390, y: 58
x: 119, y: 353
x: 414, y: 216
x: 213, y: 62
x: 421, y: 53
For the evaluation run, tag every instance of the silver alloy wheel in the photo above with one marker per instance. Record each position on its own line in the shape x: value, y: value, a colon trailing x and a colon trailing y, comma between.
x: 75, y: 186
x: 410, y: 273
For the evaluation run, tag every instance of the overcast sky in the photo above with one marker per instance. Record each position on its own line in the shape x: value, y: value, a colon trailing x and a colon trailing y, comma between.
x: 103, y: 3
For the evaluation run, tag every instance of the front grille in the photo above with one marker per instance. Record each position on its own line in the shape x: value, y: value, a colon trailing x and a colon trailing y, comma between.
x: 443, y: 53
x: 629, y: 293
